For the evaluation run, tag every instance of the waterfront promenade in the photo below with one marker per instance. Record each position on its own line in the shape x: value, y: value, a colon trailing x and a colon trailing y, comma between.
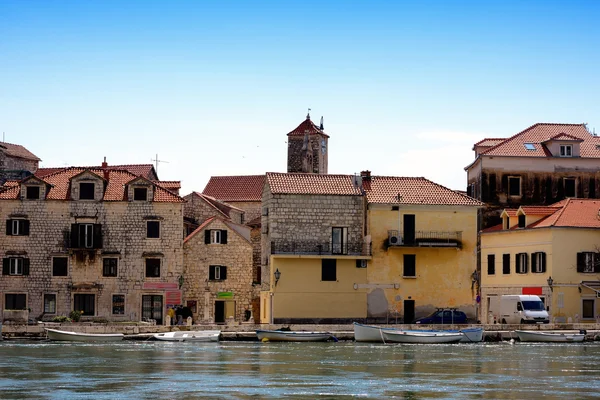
x: 246, y: 332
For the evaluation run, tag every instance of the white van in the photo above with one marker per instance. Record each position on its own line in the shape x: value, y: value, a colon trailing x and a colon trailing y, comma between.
x: 518, y: 309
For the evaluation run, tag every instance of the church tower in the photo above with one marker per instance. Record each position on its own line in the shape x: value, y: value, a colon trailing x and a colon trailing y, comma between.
x: 308, y: 148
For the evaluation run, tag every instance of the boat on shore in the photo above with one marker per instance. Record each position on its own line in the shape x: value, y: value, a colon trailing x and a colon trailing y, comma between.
x: 189, y: 336
x: 552, y: 337
x: 371, y: 333
x: 395, y: 336
x: 293, y: 336
x: 55, y: 334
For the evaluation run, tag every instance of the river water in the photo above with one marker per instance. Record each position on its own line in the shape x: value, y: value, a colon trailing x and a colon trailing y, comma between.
x: 244, y: 370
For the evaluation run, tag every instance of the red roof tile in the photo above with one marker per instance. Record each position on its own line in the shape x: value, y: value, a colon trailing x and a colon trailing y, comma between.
x: 539, y: 210
x: 307, y: 127
x: 18, y: 151
x: 42, y: 172
x: 297, y: 183
x: 199, y: 229
x: 564, y: 137
x: 488, y: 142
x: 540, y: 133
x: 145, y: 170
x: 235, y: 188
x: 385, y: 190
x: 579, y: 213
x: 511, y: 212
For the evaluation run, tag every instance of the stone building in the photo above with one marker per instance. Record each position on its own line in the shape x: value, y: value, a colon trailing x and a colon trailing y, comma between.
x: 240, y: 191
x: 16, y: 162
x: 218, y: 281
x: 99, y: 240
x: 541, y: 165
x: 308, y: 148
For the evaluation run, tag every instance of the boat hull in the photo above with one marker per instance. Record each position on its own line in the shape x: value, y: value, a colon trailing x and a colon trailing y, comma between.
x: 421, y: 337
x: 293, y: 336
x: 189, y: 336
x: 370, y: 333
x: 550, y: 337
x: 55, y: 334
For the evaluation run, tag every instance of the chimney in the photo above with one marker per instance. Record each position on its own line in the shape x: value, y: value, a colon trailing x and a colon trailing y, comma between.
x: 105, y: 169
x: 366, y: 175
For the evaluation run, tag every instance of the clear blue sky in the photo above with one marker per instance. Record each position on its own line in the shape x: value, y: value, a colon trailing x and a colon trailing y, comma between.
x: 213, y: 88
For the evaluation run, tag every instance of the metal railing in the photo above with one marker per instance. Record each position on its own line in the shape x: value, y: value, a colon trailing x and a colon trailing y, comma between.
x: 426, y: 239
x: 315, y: 247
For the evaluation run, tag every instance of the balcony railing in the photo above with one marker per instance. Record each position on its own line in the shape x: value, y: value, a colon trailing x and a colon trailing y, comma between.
x: 426, y: 239
x: 314, y: 247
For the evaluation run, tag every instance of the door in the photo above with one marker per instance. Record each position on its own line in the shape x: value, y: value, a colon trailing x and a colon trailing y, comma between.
x: 409, y: 229
x: 409, y: 311
x: 152, y: 308
x: 219, y: 312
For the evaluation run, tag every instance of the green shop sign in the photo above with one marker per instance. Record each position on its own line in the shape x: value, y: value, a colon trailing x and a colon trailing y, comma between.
x: 224, y: 295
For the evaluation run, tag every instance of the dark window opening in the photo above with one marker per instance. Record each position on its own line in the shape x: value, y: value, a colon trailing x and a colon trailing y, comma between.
x: 109, y: 266
x: 118, y: 304
x: 491, y: 269
x: 140, y: 194
x: 86, y: 236
x: 522, y: 221
x: 49, y: 303
x: 152, y: 267
x: 217, y: 272
x: 339, y: 240
x: 328, y: 270
x: 15, y: 301
x: 410, y: 265
x: 514, y: 186
x: 506, y: 264
x: 32, y: 193
x: 17, y: 227
x: 86, y: 191
x: 587, y: 309
x: 570, y: 187
x: 60, y: 266
x: 85, y: 303
x: 153, y: 229
x: 15, y: 266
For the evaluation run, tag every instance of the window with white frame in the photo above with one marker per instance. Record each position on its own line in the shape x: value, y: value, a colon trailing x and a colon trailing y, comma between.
x: 538, y: 262
x: 217, y: 273
x: 588, y: 262
x: 17, y: 227
x: 49, y: 303
x: 566, y: 150
x: 215, y: 236
x: 521, y: 263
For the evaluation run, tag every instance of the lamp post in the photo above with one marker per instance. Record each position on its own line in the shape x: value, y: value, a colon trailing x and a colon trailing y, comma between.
x: 550, y: 283
x: 277, y: 275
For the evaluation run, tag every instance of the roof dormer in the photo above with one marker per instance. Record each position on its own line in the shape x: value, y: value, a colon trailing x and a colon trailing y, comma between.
x: 34, y: 188
x: 140, y: 189
x: 87, y: 186
x: 564, y: 145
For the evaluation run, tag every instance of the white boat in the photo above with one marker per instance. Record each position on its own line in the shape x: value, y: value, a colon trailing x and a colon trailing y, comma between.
x: 560, y: 337
x: 420, y: 337
x: 189, y: 336
x: 293, y: 336
x: 370, y: 333
x: 55, y: 334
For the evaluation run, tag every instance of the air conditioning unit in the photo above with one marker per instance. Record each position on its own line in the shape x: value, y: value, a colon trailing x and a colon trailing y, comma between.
x: 395, y: 240
x: 361, y: 263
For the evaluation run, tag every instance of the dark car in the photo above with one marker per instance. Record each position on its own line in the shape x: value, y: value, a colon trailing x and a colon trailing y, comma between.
x: 444, y: 316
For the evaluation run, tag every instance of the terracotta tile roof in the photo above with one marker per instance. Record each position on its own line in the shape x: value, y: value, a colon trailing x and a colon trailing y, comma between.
x: 511, y: 212
x: 580, y: 213
x: 18, y: 151
x: 42, y: 172
x: 488, y: 142
x: 145, y: 170
x: 540, y: 133
x: 222, y: 208
x: 539, y: 210
x: 235, y: 188
x: 296, y: 183
x: 385, y: 190
x: 494, y: 228
x: 564, y: 137
x: 115, y: 188
x: 200, y: 228
x: 307, y: 126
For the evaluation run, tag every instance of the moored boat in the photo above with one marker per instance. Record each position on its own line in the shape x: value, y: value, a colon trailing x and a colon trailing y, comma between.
x: 557, y: 337
x: 370, y: 333
x: 421, y: 337
x: 189, y: 336
x: 293, y: 336
x: 55, y: 334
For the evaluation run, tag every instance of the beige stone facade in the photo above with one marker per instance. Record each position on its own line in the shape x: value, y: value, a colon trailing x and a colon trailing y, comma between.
x: 218, y: 282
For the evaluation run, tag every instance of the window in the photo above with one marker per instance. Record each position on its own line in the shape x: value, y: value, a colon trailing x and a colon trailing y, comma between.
x: 109, y: 266
x: 17, y: 227
x: 521, y: 263
x: 32, y: 192
x: 514, y: 186
x: 410, y: 266
x: 491, y: 264
x: 328, y: 270
x: 15, y: 266
x: 587, y: 308
x: 339, y: 240
x: 215, y: 236
x: 529, y: 146
x: 86, y: 236
x: 140, y: 194
x: 153, y: 229
x: 49, y: 303
x: 152, y: 267
x: 14, y: 301
x: 506, y: 264
x: 588, y: 262
x: 217, y: 273
x: 506, y: 223
x: 569, y: 184
x: 566, y: 150
x: 85, y: 303
x: 522, y: 221
x: 86, y: 191
x: 118, y: 304
x: 60, y: 266
x: 538, y: 262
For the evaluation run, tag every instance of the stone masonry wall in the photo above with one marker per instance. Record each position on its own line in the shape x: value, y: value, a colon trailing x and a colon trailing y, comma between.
x: 198, y: 209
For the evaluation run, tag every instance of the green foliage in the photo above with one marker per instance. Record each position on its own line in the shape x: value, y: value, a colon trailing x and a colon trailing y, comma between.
x: 61, y: 318
x: 75, y: 315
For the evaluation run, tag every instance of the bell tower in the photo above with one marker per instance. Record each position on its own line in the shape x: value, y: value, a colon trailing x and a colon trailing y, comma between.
x: 308, y: 148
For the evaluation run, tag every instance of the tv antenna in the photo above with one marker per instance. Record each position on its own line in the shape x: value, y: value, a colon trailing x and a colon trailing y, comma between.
x: 156, y: 161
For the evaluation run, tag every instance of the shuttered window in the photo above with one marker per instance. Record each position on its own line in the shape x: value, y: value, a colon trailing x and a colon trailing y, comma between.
x: 538, y: 262
x: 217, y: 272
x: 15, y: 266
x: 521, y: 263
x: 17, y: 227
x: 86, y: 236
x: 215, y: 236
x: 588, y: 262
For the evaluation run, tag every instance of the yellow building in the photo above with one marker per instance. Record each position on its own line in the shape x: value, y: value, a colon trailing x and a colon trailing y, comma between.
x: 550, y: 251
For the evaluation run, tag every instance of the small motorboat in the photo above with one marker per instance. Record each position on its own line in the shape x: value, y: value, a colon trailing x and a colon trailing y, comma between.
x: 293, y: 336
x: 370, y: 333
x: 396, y: 336
x: 55, y: 334
x: 558, y: 337
x: 189, y: 336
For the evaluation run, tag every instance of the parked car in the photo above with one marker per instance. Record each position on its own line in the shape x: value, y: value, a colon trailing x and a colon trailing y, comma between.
x: 444, y: 316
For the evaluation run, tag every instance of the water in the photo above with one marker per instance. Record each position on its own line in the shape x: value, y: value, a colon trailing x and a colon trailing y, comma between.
x: 244, y: 370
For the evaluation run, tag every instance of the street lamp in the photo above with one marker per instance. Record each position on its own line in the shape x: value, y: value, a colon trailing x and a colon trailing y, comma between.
x: 550, y: 283
x: 277, y: 275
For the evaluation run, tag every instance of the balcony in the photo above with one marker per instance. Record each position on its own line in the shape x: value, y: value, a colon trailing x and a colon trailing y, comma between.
x: 315, y: 247
x: 426, y: 239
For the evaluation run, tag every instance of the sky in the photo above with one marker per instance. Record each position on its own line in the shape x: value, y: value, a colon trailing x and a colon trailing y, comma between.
x: 213, y: 87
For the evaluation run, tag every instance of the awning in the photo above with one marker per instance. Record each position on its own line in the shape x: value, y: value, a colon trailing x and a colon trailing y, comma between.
x: 593, y: 285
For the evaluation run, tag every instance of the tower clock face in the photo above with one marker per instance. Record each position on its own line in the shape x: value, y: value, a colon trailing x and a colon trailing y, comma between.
x: 323, y: 146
